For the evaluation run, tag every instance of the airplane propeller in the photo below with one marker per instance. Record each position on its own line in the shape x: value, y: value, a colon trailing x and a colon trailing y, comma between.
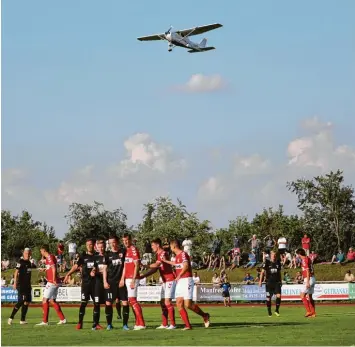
x: 169, y: 30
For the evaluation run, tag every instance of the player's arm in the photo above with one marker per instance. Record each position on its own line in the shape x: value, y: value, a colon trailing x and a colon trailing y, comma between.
x: 150, y: 272
x: 15, y: 278
x: 308, y: 275
x: 122, y: 280
x: 168, y: 262
x: 104, y: 275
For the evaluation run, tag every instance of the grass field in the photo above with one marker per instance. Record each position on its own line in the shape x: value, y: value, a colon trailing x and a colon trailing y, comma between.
x: 243, y: 325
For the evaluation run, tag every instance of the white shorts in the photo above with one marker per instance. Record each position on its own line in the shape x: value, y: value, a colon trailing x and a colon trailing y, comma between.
x: 185, y: 288
x: 132, y: 293
x: 312, y: 283
x: 50, y: 291
x: 168, y: 290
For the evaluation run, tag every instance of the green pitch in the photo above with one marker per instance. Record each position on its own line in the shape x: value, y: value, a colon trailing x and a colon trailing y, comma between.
x: 250, y: 325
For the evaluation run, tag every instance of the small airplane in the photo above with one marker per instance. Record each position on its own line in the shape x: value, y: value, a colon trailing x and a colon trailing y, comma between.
x: 180, y: 38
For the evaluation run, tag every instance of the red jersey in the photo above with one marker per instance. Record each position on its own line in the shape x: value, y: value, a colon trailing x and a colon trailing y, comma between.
x: 307, y: 265
x: 181, y: 258
x: 166, y: 270
x: 132, y: 255
x: 50, y: 262
x: 60, y: 249
x: 306, y: 242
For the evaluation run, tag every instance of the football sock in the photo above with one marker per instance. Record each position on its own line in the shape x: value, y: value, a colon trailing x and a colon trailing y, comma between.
x: 313, y: 305
x: 185, y: 317
x: 96, y: 314
x: 24, y: 310
x: 45, y: 307
x: 125, y: 311
x: 171, y: 313
x: 109, y: 313
x: 268, y: 305
x: 278, y: 303
x: 306, y: 304
x: 16, y: 308
x: 58, y: 310
x: 82, y: 311
x: 198, y: 311
x: 164, y: 315
x: 139, y: 314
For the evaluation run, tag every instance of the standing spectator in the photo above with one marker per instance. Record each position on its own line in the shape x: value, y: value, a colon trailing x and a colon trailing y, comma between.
x: 60, y: 255
x: 148, y: 252
x: 71, y: 251
x: 269, y: 244
x: 236, y: 242
x: 216, y: 246
x: 282, y: 244
x: 187, y: 244
x: 350, y: 257
x: 255, y: 247
x: 339, y: 258
x: 313, y: 256
x: 349, y: 277
x: 306, y: 244
x: 196, y: 278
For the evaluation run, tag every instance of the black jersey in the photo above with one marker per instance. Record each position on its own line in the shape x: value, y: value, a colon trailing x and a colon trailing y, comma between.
x: 24, y: 268
x: 100, y: 262
x: 115, y: 263
x: 272, y: 271
x: 87, y: 263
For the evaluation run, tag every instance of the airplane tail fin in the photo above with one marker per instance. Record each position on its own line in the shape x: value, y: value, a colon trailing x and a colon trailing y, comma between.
x: 203, y: 43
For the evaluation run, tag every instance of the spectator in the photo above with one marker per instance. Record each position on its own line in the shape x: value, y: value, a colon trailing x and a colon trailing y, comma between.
x: 255, y: 247
x: 76, y: 259
x: 223, y: 276
x: 252, y: 261
x: 282, y: 244
x: 349, y: 277
x: 187, y: 244
x: 196, y: 278
x: 71, y: 281
x: 266, y: 256
x: 71, y: 251
x: 258, y: 274
x: 306, y: 243
x: 216, y: 280
x: 313, y: 256
x: 5, y: 264
x: 3, y: 282
x: 143, y: 281
x: 216, y: 246
x: 166, y: 245
x: 148, y: 253
x: 248, y: 279
x: 226, y: 287
x: 296, y: 262
x: 269, y: 244
x: 298, y: 278
x: 339, y: 258
x: 287, y: 278
x: 350, y: 257
x: 12, y: 281
x: 235, y: 258
x: 236, y: 242
x: 107, y: 249
x: 287, y: 259
x: 43, y: 281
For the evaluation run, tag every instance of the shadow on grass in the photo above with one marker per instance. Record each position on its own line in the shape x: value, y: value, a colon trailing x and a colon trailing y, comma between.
x: 249, y: 324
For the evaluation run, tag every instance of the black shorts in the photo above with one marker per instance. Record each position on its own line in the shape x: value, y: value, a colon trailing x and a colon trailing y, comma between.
x: 114, y: 292
x: 88, y: 291
x: 273, y: 288
x: 99, y: 292
x: 24, y: 294
x: 226, y: 295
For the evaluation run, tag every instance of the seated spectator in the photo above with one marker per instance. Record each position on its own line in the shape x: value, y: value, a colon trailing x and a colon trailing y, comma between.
x: 266, y: 256
x: 313, y: 256
x: 42, y: 281
x: 12, y: 281
x: 298, y: 278
x: 216, y: 280
x: 248, y: 279
x: 196, y: 278
x: 258, y: 274
x: 350, y: 257
x: 287, y: 259
x: 296, y: 262
x: 252, y: 261
x: 71, y: 281
x: 5, y: 264
x: 349, y: 277
x: 3, y: 282
x: 339, y: 258
x: 222, y: 263
x: 223, y: 276
x: 287, y: 278
x: 235, y: 260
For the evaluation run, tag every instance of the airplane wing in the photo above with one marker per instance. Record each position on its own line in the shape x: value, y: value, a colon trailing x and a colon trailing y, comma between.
x: 199, y: 30
x: 151, y: 37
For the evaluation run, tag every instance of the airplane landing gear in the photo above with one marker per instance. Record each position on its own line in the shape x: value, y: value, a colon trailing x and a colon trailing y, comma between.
x: 170, y: 47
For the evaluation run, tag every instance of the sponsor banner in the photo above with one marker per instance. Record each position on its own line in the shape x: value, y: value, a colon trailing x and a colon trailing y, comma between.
x: 65, y: 294
x: 351, y: 291
x: 149, y: 293
x: 8, y: 294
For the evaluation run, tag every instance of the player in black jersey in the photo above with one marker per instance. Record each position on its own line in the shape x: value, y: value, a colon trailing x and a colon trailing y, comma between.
x: 272, y: 270
x: 117, y: 290
x: 22, y: 282
x: 87, y: 264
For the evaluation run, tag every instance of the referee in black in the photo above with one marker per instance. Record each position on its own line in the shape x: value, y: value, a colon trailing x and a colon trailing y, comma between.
x: 272, y: 270
x: 22, y: 282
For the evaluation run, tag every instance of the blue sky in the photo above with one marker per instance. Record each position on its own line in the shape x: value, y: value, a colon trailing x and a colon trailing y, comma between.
x: 76, y: 84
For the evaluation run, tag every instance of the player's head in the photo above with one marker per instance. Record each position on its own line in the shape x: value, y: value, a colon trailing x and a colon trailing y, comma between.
x: 301, y: 252
x: 26, y: 253
x: 100, y: 245
x: 175, y: 245
x: 273, y: 255
x: 44, y: 250
x: 127, y: 240
x: 156, y: 245
x: 113, y: 242
x: 90, y: 245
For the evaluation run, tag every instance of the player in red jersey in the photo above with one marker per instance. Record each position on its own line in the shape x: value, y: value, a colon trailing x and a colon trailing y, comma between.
x: 51, y: 290
x: 185, y: 285
x: 309, y: 283
x: 168, y: 288
x: 131, y: 276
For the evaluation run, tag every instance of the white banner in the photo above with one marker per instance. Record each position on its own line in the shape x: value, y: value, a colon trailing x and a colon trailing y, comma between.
x: 149, y: 293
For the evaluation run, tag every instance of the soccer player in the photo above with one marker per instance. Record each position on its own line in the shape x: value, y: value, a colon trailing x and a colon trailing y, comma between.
x: 226, y: 287
x: 87, y: 263
x: 131, y: 276
x: 22, y: 282
x: 309, y: 283
x: 117, y: 290
x: 185, y: 285
x: 272, y: 270
x: 168, y: 288
x: 51, y: 290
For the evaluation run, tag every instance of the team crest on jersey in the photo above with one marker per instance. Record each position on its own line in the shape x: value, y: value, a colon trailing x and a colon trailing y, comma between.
x: 120, y: 255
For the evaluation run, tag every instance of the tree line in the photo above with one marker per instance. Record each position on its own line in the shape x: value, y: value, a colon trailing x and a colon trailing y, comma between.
x: 327, y: 215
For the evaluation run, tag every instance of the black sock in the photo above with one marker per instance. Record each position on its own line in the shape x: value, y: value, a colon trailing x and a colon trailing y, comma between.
x: 16, y: 308
x: 109, y: 313
x: 125, y: 310
x: 82, y: 312
x: 96, y: 315
x: 268, y: 305
x: 24, y: 312
x: 118, y: 308
x: 278, y: 303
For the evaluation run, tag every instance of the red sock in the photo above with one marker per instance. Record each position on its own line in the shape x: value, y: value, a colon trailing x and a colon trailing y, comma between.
x: 185, y: 318
x: 197, y: 310
x: 171, y: 313
x: 58, y: 310
x: 139, y: 314
x: 311, y: 306
x: 164, y: 315
x: 45, y: 307
x: 306, y: 304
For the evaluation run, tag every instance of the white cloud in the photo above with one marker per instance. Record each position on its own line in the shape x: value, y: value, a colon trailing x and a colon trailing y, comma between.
x: 199, y: 83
